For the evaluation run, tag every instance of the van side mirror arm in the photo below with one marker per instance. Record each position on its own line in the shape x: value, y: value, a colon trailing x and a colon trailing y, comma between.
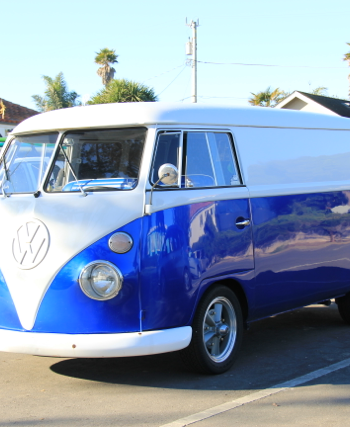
x: 168, y: 171
x: 148, y: 206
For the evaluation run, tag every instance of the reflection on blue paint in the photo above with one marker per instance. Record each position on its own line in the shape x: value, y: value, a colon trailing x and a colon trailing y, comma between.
x: 184, y: 246
x: 301, y: 247
x: 302, y: 244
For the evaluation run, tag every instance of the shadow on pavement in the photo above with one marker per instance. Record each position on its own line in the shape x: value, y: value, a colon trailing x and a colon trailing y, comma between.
x: 274, y: 350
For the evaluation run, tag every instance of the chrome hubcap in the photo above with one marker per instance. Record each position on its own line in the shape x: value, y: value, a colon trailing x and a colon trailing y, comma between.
x: 223, y: 330
x: 219, y: 329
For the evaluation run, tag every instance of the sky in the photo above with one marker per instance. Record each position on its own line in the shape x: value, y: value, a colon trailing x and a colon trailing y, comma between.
x: 294, y: 44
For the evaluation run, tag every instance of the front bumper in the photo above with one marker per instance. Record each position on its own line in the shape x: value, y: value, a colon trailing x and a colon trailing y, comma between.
x: 95, y: 345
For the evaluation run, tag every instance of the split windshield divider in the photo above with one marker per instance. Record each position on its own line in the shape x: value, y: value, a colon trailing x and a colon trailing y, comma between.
x: 72, y: 170
x: 5, y: 178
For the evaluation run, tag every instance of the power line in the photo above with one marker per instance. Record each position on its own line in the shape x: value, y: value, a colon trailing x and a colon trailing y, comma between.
x: 213, y: 97
x: 165, y: 72
x: 172, y: 81
x: 267, y: 65
x: 220, y: 97
x: 246, y: 65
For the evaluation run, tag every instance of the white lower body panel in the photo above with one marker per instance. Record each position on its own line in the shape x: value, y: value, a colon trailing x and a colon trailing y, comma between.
x: 95, y: 345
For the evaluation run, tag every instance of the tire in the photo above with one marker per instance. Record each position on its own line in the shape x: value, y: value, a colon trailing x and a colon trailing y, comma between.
x: 344, y: 307
x: 217, y: 331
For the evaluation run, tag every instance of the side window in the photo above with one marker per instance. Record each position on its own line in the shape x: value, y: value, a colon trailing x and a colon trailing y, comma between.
x: 167, y: 151
x: 198, y: 167
x: 208, y: 160
x: 223, y: 159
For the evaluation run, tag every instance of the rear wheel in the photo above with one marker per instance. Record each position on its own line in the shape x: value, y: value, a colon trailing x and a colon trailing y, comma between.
x: 344, y: 307
x: 217, y: 331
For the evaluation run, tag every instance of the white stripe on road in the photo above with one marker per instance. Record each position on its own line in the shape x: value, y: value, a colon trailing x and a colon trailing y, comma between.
x: 257, y: 395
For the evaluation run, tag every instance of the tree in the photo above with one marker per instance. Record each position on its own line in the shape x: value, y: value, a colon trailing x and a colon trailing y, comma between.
x: 347, y: 55
x: 122, y: 90
x: 2, y: 109
x: 56, y: 95
x: 347, y: 58
x: 105, y: 57
x: 267, y: 98
x: 320, y: 91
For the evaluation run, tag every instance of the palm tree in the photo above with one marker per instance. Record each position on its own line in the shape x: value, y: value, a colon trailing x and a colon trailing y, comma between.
x: 122, y: 90
x: 56, y: 95
x: 105, y: 57
x: 267, y: 98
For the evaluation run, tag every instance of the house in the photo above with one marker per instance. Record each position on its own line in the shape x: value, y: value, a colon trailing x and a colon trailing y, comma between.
x: 11, y: 114
x: 316, y: 104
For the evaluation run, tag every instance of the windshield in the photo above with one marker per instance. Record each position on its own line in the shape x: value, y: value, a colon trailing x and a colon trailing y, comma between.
x: 97, y: 160
x: 25, y: 162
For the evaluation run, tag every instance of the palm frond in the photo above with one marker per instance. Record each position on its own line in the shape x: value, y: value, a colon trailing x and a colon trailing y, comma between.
x: 56, y: 95
x: 123, y: 90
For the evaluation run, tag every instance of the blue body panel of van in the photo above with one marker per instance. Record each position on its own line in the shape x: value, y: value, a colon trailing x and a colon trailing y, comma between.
x: 300, y: 257
x: 180, y: 248
x: 301, y: 246
x: 66, y: 309
x: 183, y: 247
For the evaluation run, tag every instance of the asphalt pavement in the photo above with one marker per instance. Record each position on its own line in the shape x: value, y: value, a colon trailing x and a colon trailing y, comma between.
x: 158, y: 390
x: 320, y: 403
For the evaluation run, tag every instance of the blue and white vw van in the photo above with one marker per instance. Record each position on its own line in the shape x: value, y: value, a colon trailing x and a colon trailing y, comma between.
x: 135, y: 229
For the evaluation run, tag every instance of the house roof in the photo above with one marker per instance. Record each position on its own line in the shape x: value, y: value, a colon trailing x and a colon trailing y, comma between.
x: 15, y: 113
x: 340, y: 107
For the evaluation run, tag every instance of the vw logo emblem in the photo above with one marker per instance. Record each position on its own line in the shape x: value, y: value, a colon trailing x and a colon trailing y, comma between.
x: 30, y: 244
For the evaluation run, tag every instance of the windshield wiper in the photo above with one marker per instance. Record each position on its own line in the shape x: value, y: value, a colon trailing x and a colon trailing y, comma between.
x: 71, y: 169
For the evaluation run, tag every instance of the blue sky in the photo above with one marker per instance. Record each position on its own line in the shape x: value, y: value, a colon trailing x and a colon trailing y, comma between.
x: 305, y: 38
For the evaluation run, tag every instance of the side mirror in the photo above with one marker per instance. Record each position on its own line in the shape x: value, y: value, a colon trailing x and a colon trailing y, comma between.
x: 168, y: 174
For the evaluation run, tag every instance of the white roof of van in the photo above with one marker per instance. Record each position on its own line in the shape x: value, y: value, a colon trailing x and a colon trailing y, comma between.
x: 148, y: 113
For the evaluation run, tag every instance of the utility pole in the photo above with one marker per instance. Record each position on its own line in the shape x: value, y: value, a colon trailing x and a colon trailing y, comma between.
x: 191, y: 49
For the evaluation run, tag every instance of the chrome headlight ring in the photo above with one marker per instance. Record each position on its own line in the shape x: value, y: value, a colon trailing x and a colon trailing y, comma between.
x: 101, y: 280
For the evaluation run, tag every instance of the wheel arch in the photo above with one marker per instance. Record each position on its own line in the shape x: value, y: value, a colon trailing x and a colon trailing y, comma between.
x: 232, y: 284
x: 236, y: 287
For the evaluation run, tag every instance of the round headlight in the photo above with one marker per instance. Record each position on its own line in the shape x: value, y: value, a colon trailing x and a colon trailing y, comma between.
x: 101, y: 280
x: 120, y: 242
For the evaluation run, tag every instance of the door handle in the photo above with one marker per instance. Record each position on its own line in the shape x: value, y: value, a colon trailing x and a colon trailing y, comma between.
x: 241, y: 222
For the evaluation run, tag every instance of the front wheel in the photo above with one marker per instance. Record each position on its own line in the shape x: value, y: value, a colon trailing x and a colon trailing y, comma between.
x: 217, y: 331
